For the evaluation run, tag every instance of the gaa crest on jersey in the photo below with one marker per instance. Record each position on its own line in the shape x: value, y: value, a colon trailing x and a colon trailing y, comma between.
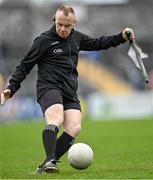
x: 57, y: 51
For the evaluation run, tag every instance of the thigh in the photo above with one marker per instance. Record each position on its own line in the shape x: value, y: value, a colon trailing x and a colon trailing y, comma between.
x: 54, y: 115
x: 51, y: 103
x: 49, y: 98
x: 72, y: 121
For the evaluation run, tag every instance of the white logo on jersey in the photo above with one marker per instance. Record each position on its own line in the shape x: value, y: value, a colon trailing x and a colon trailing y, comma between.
x: 57, y: 51
x: 56, y: 42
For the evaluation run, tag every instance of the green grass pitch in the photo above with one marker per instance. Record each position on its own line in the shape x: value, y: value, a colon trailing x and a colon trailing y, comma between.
x: 122, y: 150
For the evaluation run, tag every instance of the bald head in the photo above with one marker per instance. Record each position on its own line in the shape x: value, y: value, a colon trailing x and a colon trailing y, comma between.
x: 66, y: 10
x: 64, y: 21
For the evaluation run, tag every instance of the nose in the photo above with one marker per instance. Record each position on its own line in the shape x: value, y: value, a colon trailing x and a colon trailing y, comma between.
x: 62, y: 28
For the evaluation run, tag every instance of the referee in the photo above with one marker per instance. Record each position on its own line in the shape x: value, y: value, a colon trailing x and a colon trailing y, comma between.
x: 55, y: 52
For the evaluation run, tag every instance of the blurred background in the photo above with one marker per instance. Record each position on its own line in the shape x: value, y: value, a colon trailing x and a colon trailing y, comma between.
x: 110, y: 85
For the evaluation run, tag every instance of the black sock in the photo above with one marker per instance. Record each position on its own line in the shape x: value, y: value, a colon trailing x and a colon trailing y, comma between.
x: 49, y: 136
x: 63, y: 144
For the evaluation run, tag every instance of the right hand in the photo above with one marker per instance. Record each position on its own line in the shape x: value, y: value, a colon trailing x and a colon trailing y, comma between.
x: 5, y: 95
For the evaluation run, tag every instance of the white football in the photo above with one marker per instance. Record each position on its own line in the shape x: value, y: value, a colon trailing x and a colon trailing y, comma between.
x: 80, y: 156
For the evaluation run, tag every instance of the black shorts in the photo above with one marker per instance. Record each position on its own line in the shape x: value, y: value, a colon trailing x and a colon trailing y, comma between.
x: 54, y: 96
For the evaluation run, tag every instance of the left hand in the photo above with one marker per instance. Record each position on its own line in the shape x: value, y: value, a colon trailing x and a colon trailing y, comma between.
x: 130, y: 31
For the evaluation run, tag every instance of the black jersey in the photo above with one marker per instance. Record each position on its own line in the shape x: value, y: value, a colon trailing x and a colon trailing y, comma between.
x: 57, y: 60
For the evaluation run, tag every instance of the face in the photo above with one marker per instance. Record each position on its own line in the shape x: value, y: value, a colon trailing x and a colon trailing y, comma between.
x: 64, y: 24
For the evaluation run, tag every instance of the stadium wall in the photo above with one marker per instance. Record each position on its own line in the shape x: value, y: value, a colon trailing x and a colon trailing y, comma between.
x: 96, y: 106
x: 137, y: 105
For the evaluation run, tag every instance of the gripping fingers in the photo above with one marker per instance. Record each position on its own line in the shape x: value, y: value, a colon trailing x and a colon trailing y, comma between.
x: 128, y: 34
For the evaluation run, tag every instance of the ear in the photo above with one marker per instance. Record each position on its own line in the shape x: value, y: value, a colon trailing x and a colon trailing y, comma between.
x: 53, y: 18
x: 75, y: 21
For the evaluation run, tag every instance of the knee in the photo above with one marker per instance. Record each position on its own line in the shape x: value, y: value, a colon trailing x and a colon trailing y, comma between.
x: 73, y: 130
x: 77, y: 129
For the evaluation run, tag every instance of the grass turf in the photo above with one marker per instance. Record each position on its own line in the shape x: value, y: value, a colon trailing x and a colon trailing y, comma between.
x: 122, y: 150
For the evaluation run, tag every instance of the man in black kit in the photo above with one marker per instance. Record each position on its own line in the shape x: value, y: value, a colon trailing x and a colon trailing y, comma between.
x: 56, y: 54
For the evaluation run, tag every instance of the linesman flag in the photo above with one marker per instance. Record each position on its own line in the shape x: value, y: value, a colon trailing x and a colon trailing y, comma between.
x: 136, y: 54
